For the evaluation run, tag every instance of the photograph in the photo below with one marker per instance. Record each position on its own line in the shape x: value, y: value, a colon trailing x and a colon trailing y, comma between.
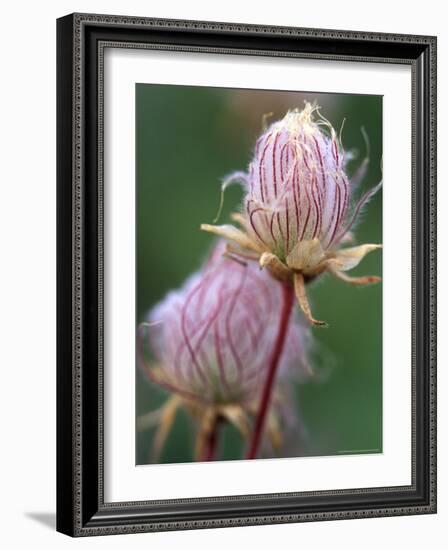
x: 258, y: 274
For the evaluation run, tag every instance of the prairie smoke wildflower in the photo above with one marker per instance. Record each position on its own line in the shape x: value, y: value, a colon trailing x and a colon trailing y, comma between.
x: 212, y: 341
x: 298, y: 207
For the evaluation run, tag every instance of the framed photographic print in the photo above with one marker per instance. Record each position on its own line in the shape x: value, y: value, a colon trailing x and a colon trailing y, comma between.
x: 246, y: 274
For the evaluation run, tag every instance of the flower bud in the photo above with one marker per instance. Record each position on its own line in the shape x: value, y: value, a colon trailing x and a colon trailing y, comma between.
x: 212, y: 338
x: 298, y: 207
x: 297, y: 186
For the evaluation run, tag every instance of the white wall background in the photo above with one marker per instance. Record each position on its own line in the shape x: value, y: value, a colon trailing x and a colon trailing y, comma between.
x: 27, y: 304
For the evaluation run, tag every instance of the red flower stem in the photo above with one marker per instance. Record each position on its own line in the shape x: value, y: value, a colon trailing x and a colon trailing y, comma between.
x: 210, y: 446
x: 288, y: 301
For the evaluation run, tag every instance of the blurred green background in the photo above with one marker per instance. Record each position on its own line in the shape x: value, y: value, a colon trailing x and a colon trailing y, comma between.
x: 188, y: 139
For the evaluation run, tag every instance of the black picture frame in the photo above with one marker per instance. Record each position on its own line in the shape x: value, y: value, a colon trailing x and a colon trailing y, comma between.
x: 81, y: 39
